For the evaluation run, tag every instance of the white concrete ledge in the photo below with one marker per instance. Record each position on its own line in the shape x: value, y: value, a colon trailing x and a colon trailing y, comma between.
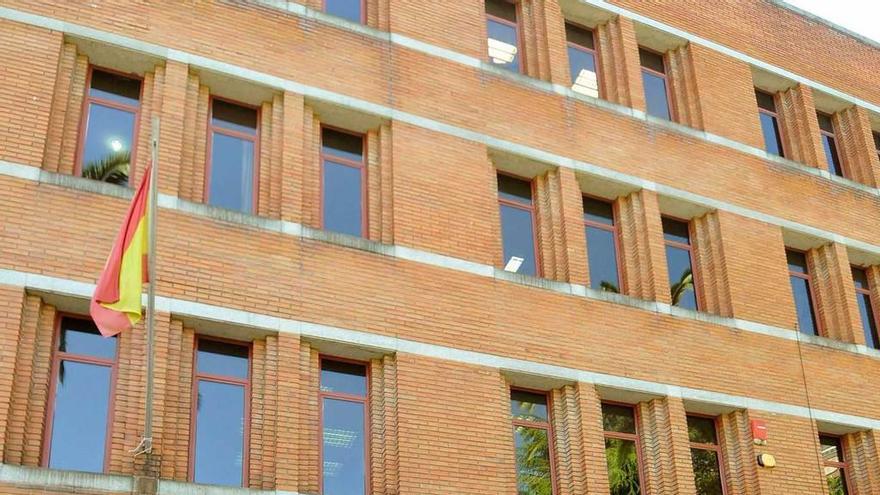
x: 44, y: 478
x: 167, y: 487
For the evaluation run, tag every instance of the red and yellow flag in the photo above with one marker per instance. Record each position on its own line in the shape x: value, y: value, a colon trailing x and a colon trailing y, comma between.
x: 116, y: 304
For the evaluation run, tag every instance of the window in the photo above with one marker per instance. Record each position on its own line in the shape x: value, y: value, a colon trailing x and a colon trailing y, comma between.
x: 517, y: 224
x: 81, y: 397
x: 502, y: 29
x: 622, y: 449
x: 680, y: 263
x: 799, y: 275
x: 705, y: 455
x: 582, y: 60
x: 107, y: 145
x: 221, y: 396
x: 769, y: 123
x: 343, y: 183
x: 829, y: 144
x: 601, y: 233
x: 344, y: 446
x: 866, y: 307
x: 655, y: 83
x: 232, y: 154
x: 533, y: 441
x: 834, y: 466
x: 876, y: 142
x: 353, y: 10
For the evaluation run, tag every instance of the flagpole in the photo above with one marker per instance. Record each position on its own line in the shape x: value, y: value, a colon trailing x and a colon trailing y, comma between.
x: 151, y: 290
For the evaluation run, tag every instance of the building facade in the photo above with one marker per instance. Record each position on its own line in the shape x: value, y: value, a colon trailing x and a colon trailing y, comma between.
x: 543, y: 247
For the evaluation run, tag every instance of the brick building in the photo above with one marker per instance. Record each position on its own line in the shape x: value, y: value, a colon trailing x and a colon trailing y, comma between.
x: 458, y: 247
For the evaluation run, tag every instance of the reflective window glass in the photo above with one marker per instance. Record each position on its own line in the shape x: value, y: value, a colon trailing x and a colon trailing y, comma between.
x: 343, y: 198
x: 518, y: 238
x: 765, y: 101
x: 347, y: 9
x: 679, y: 264
x: 502, y: 28
x: 799, y: 277
x: 620, y: 419
x: 622, y: 459
x: 223, y: 358
x: 770, y: 131
x: 702, y: 430
x: 344, y: 448
x: 528, y: 406
x: 602, y: 259
x: 832, y: 158
x: 652, y: 60
x: 343, y: 377
x: 656, y: 97
x: 82, y: 337
x: 233, y: 117
x: 342, y: 144
x: 219, y: 433
x: 111, y: 118
x: 866, y: 307
x: 115, y: 88
x: 582, y: 60
x: 533, y: 475
x: 232, y: 173
x: 705, y: 455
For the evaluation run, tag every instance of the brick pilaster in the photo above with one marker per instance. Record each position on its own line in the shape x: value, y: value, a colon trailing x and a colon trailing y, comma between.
x: 666, y: 448
x: 856, y: 146
x: 711, y: 266
x: 863, y: 456
x: 619, y: 69
x: 271, y: 149
x: 835, y: 293
x: 642, y: 252
x: 65, y: 114
x: 194, y: 154
x: 311, y: 169
x: 560, y: 226
x: 383, y: 426
x: 379, y: 184
x: 292, y: 157
x: 738, y: 453
x: 800, y: 127
x: 308, y: 420
x: 580, y: 447
x: 173, y: 92
x: 683, y: 86
x: 14, y: 306
x: 544, y: 40
x: 288, y: 380
x: 174, y: 389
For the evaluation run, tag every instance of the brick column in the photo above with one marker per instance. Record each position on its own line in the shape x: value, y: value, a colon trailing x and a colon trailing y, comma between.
x: 863, y: 455
x: 195, y: 139
x: 378, y: 14
x: 856, y: 146
x: 835, y: 293
x: 14, y: 306
x: 174, y: 391
x: 800, y: 127
x: 172, y: 90
x: 683, y: 86
x: 580, y: 447
x: 560, y: 226
x: 544, y: 40
x: 308, y: 420
x: 288, y: 379
x: 384, y: 466
x: 269, y: 168
x: 311, y: 169
x: 711, y: 266
x: 292, y: 157
x: 66, y: 112
x: 619, y: 70
x: 738, y: 452
x: 642, y: 252
x: 666, y: 448
x: 379, y: 184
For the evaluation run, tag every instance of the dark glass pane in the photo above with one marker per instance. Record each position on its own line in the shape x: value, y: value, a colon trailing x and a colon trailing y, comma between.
x: 344, y: 378
x: 598, y: 211
x: 825, y: 122
x: 707, y: 474
x: 620, y: 419
x: 829, y: 145
x: 582, y: 65
x: 79, y: 422
x: 82, y: 337
x: 532, y: 461
x: 232, y: 173
x: 234, y: 117
x: 518, y: 238
x: 503, y: 44
x: 797, y: 261
x: 623, y: 466
x: 651, y: 60
x: 860, y: 278
x: 656, y: 99
x: 107, y: 147
x: 770, y: 130
x: 219, y: 444
x: 602, y: 258
x: 347, y: 9
x: 676, y: 231
x: 579, y: 36
x: 501, y: 8
x: 342, y: 144
x: 869, y: 324
x: 223, y: 358
x: 701, y: 430
x: 113, y: 87
x: 343, y: 201
x: 681, y: 277
x: 831, y: 449
x: 876, y: 141
x: 806, y: 315
x: 514, y: 189
x: 836, y: 480
x: 528, y: 406
x: 765, y: 101
x: 344, y: 454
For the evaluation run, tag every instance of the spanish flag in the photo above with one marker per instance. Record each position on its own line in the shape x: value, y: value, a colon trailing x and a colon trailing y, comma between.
x: 116, y: 304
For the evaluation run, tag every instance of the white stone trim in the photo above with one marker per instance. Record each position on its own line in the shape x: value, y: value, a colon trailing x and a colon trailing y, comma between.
x: 68, y: 480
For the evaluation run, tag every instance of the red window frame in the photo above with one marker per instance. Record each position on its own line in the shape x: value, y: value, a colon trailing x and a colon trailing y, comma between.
x: 255, y: 138
x: 543, y: 425
x: 775, y: 115
x: 715, y: 447
x: 362, y: 165
x: 670, y: 101
x: 89, y: 99
x: 843, y: 466
x: 532, y: 212
x: 876, y: 136
x: 363, y: 10
x: 833, y: 136
x: 57, y: 357
x: 595, y: 53
x: 516, y: 26
x: 615, y: 232
x: 690, y: 250
x: 867, y: 291
x: 808, y: 276
x: 245, y: 382
x: 365, y: 400
x: 636, y: 437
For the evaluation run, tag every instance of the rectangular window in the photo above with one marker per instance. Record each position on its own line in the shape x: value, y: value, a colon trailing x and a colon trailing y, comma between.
x: 799, y: 275
x: 353, y: 10
x: 517, y: 225
x: 502, y: 29
x: 829, y: 144
x: 232, y: 156
x: 108, y: 142
x: 534, y: 442
x: 769, y: 123
x: 221, y: 398
x: 343, y: 182
x: 680, y: 263
x: 602, y: 249
x: 655, y: 82
x: 622, y: 449
x: 834, y: 465
x: 582, y: 60
x: 81, y: 397
x: 344, y: 445
x: 705, y: 455
x: 866, y: 307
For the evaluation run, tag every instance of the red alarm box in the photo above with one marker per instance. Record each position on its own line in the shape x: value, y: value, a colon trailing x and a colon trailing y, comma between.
x: 759, y: 430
